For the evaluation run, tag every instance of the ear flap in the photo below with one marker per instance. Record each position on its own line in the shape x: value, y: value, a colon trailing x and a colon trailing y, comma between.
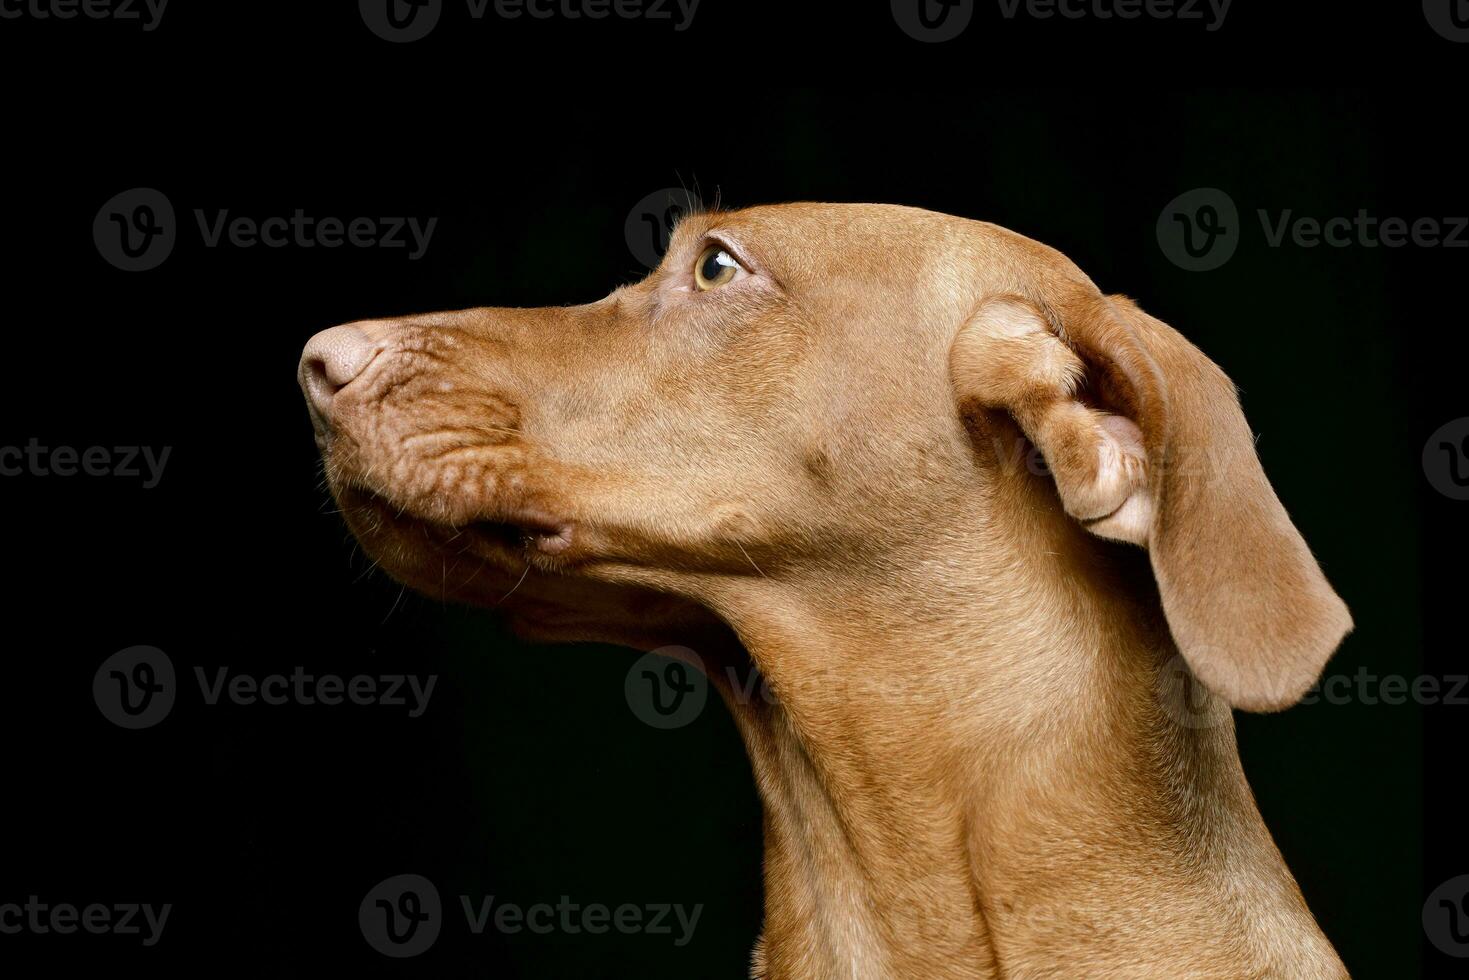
x: 1172, y: 468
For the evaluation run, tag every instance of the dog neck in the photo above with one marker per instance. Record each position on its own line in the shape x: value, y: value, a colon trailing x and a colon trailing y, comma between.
x: 964, y: 781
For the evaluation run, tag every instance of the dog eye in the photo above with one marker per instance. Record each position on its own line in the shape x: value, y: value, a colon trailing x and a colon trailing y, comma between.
x: 716, y: 267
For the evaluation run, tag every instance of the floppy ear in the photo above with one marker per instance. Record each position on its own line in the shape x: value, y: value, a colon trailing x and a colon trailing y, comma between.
x: 1147, y: 444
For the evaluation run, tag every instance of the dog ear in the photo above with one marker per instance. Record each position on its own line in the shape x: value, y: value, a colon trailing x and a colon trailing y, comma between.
x: 1147, y: 443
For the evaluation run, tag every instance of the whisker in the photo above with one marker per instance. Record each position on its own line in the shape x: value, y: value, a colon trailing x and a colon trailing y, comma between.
x: 517, y: 585
x: 750, y: 560
x: 394, y: 608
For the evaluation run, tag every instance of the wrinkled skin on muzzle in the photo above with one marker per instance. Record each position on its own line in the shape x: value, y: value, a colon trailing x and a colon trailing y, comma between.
x: 610, y: 471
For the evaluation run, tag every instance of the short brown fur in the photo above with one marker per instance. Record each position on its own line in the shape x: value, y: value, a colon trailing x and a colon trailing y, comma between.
x: 986, y: 755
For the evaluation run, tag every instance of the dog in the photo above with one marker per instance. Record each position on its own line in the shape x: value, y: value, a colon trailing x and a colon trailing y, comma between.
x: 999, y: 544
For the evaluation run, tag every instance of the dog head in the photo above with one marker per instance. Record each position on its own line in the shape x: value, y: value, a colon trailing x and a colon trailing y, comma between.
x: 802, y: 393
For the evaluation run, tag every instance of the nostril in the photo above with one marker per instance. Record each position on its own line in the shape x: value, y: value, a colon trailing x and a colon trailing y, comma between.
x: 332, y: 360
x: 313, y: 373
x: 316, y: 384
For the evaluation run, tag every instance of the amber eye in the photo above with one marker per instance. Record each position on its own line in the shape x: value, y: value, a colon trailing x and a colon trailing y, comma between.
x: 715, y: 268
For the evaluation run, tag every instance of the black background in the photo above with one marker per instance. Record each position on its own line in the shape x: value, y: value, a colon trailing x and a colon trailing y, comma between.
x: 528, y: 778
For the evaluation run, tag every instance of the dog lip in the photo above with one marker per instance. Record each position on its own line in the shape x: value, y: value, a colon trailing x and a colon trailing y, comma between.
x: 554, y: 542
x: 513, y: 527
x: 546, y: 536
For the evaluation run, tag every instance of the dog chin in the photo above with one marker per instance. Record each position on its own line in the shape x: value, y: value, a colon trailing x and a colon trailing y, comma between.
x: 475, y: 564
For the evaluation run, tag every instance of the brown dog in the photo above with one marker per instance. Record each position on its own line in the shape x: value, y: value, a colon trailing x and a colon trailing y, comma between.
x: 805, y: 438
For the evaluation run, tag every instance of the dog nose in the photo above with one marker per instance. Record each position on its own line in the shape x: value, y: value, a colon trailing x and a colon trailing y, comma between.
x: 331, y: 361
